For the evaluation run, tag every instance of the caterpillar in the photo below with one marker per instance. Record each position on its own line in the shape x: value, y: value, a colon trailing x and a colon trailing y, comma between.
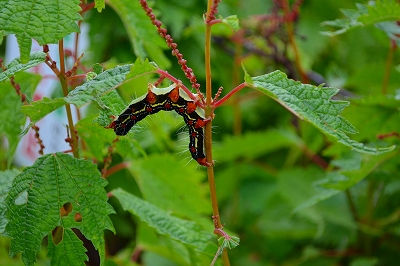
x: 172, y: 98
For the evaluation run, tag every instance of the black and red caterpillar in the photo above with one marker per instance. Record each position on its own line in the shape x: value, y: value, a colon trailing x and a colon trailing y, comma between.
x: 167, y: 99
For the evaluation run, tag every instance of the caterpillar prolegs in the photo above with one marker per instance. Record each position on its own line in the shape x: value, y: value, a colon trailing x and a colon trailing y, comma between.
x: 167, y: 99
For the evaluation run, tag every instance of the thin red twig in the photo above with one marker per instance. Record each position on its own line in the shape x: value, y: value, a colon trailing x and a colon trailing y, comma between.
x: 229, y: 95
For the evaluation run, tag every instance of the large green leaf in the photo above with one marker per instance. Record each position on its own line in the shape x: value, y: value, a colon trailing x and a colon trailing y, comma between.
x: 6, y: 179
x: 374, y: 115
x: 312, y: 104
x: 39, y: 109
x: 46, y: 21
x: 354, y: 168
x: 172, y: 177
x: 12, y: 119
x: 187, y: 232
x: 253, y: 144
x: 37, y: 195
x: 143, y: 35
x: 181, y: 254
x: 70, y: 251
x: 298, y: 185
x: 277, y: 221
x: 95, y: 136
x: 107, y: 81
x: 16, y: 65
x: 382, y: 13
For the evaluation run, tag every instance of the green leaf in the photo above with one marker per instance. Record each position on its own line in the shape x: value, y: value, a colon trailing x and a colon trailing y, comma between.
x: 39, y: 109
x: 314, y: 105
x: 6, y: 179
x: 181, y: 230
x: 280, y: 222
x: 350, y: 177
x: 254, y: 144
x: 365, y: 261
x: 100, y: 5
x: 16, y: 66
x: 373, y: 13
x: 374, y: 115
x: 142, y: 34
x: 352, y: 173
x: 229, y: 242
x: 38, y: 194
x: 12, y: 119
x: 298, y: 185
x: 107, y: 81
x: 97, y: 68
x: 109, y: 104
x: 232, y: 21
x: 141, y: 67
x: 99, y: 85
x: 45, y: 21
x: 181, y: 254
x: 171, y: 177
x: 70, y: 251
x: 94, y: 136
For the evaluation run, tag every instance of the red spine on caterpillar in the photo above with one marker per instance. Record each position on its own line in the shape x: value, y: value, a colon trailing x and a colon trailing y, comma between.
x: 173, y: 95
x: 167, y: 99
x: 191, y: 107
x: 151, y: 97
x: 203, y: 162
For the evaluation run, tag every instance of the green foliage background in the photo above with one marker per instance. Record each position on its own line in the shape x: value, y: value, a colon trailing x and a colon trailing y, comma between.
x: 290, y: 194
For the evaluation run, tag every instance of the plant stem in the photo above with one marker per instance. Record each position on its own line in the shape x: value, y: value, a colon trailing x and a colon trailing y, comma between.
x: 208, y: 133
x: 64, y: 86
x: 292, y: 39
x: 388, y: 66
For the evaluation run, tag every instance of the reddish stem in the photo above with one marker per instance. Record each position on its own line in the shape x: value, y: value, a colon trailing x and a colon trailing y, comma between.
x: 116, y: 168
x: 230, y: 94
x: 220, y: 231
x: 86, y: 7
x: 177, y: 81
x: 214, y: 21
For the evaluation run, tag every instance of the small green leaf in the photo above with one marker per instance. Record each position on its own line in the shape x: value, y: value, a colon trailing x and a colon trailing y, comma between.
x: 314, y: 105
x: 6, y: 179
x: 52, y: 181
x: 39, y: 109
x: 90, y: 76
x: 100, y: 5
x: 229, y: 242
x: 232, y: 21
x: 142, y: 34
x: 16, y: 66
x: 107, y: 81
x: 94, y: 136
x: 109, y: 104
x: 345, y: 178
x: 70, y: 251
x: 141, y: 67
x: 376, y: 12
x: 12, y: 119
x: 97, y: 68
x: 181, y: 230
x: 45, y: 21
